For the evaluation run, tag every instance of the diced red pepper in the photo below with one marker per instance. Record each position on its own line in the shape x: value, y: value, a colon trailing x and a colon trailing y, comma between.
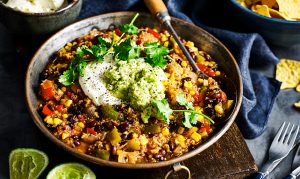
x: 59, y: 108
x: 205, y: 127
x: 118, y: 32
x: 91, y: 131
x: 47, y: 111
x: 155, y: 34
x: 47, y: 89
x: 202, y: 67
x: 206, y: 70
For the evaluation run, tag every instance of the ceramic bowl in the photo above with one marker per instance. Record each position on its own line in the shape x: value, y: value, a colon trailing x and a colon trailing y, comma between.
x: 22, y: 23
x: 275, y: 31
x: 202, y: 39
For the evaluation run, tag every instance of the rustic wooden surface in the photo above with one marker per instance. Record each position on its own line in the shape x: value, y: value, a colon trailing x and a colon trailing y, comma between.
x: 228, y: 158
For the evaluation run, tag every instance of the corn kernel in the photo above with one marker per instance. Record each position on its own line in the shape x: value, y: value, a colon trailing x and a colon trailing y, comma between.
x: 195, y: 136
x: 200, y: 119
x: 166, y: 43
x: 197, y: 108
x: 218, y: 73
x: 164, y: 82
x: 80, y: 124
x: 144, y: 140
x: 219, y: 109
x: 200, y: 59
x: 181, y: 71
x: 107, y: 147
x: 192, y: 92
x: 204, y: 134
x: 171, y: 117
x: 229, y: 104
x: 165, y: 131
x: 65, y: 135
x: 65, y: 116
x: 163, y: 37
x: 180, y: 140
x: 180, y: 130
x: 205, y: 82
x: 167, y: 74
x: 49, y: 120
x: 191, y: 131
x: 69, y: 44
x: 200, y: 80
x: 189, y: 44
x: 57, y: 121
x: 119, y: 152
x: 188, y: 84
x: 68, y: 103
x: 64, y: 89
x: 183, y: 63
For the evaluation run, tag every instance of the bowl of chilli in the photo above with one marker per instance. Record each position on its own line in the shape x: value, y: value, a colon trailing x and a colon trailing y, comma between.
x: 276, y: 20
x: 116, y: 90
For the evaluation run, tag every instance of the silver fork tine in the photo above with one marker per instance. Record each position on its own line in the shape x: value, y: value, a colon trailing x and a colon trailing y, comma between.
x: 283, y: 136
x: 279, y: 132
x: 295, y: 136
x: 288, y: 137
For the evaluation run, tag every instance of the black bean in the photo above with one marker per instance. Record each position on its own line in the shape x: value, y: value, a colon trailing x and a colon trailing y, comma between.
x: 192, y: 147
x: 172, y: 145
x: 76, y: 137
x: 76, y: 142
x: 114, y: 150
x: 130, y: 136
x: 91, y: 124
x: 158, y: 156
x: 124, y: 126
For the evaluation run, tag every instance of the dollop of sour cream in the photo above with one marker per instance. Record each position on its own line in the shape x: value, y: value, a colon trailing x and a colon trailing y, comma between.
x: 93, y: 84
x: 35, y: 6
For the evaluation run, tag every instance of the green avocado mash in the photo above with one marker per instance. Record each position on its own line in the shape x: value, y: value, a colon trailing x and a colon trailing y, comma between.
x: 136, y: 82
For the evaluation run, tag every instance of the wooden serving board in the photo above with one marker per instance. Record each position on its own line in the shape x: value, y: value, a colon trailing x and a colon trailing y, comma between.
x: 228, y: 158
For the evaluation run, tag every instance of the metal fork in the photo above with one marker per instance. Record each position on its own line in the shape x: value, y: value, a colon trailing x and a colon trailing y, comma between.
x: 280, y: 147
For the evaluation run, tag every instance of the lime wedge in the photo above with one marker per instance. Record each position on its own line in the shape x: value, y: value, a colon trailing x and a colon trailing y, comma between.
x: 27, y: 163
x: 71, y: 171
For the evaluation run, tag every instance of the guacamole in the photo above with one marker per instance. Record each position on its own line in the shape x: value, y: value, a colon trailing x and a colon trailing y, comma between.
x: 136, y: 82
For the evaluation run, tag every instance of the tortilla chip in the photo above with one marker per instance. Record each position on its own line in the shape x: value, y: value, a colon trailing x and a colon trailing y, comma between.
x: 298, y: 88
x: 297, y: 104
x: 279, y: 15
x: 269, y: 3
x: 288, y: 72
x: 290, y: 8
x: 261, y: 9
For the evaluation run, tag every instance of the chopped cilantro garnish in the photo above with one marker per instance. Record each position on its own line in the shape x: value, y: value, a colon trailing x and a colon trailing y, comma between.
x: 130, y: 28
x: 164, y: 109
x: 155, y: 54
x: 190, y: 116
x: 127, y: 50
x: 180, y: 98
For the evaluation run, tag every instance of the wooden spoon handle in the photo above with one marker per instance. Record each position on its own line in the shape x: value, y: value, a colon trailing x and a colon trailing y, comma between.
x: 156, y: 6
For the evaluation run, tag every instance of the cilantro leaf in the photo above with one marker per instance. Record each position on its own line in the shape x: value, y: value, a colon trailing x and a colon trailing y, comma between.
x: 127, y: 50
x: 186, y: 121
x: 180, y: 98
x: 155, y: 53
x: 68, y: 77
x: 129, y: 29
x: 163, y: 109
x: 189, y: 119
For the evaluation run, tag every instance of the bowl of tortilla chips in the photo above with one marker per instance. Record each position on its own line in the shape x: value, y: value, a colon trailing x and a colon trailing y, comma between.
x: 278, y: 21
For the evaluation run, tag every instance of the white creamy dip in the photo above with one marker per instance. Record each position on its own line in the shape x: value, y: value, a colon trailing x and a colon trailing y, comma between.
x: 35, y: 6
x: 93, y: 85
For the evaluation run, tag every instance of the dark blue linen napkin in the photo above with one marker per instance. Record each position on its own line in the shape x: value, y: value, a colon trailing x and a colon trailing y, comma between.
x: 249, y: 49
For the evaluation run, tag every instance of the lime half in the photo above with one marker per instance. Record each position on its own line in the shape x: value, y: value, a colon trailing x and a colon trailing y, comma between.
x: 27, y: 163
x: 71, y: 171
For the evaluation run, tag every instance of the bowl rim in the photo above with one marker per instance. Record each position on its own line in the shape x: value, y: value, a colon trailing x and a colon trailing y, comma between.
x: 39, y: 122
x: 270, y: 19
x: 41, y: 14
